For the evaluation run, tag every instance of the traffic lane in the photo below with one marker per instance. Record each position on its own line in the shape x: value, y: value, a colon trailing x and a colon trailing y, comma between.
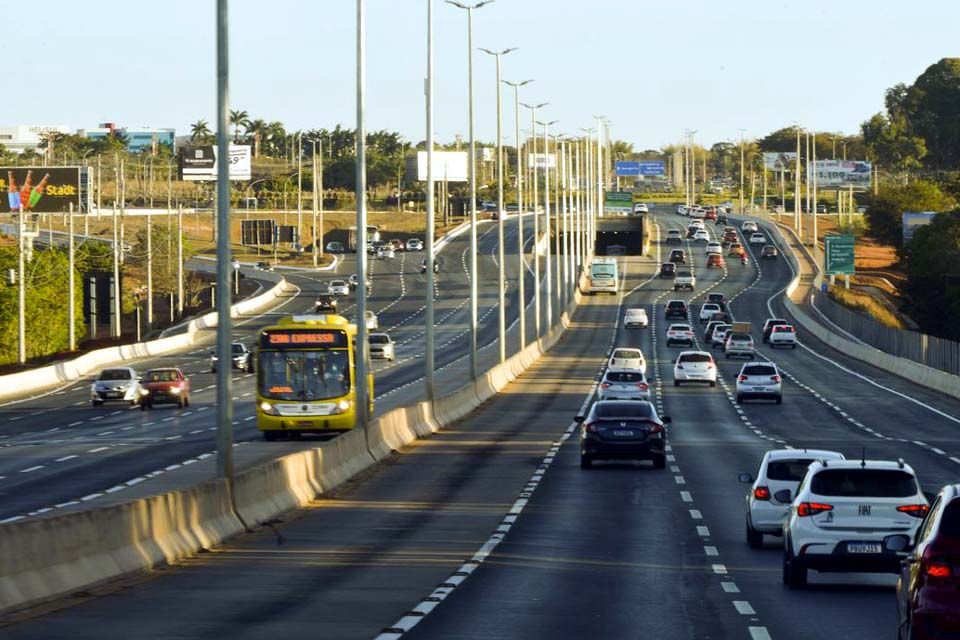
x: 354, y: 562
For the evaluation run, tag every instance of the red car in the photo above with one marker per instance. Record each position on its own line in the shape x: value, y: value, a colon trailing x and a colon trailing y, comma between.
x: 164, y: 385
x: 715, y: 260
x: 928, y: 597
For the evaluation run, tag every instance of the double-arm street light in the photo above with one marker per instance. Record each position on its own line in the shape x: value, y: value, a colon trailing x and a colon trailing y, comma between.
x: 474, y: 367
x: 536, y: 224
x: 501, y: 296
x: 521, y: 298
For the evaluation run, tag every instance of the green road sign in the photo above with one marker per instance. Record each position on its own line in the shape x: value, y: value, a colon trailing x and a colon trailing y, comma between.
x: 617, y: 201
x: 839, y: 255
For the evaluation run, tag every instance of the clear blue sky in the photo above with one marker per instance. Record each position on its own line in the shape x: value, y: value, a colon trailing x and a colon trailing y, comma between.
x: 654, y: 68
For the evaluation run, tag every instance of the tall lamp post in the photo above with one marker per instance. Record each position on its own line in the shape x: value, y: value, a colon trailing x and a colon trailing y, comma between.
x: 546, y: 223
x: 501, y: 295
x: 428, y: 293
x: 474, y: 365
x: 536, y: 223
x: 521, y: 297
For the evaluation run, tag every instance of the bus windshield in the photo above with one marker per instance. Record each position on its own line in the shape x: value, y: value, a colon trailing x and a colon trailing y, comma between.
x: 304, y: 375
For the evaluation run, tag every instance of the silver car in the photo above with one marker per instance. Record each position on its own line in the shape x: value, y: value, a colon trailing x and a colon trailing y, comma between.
x: 116, y: 384
x: 620, y: 384
x: 339, y: 287
x: 759, y: 380
x: 381, y: 346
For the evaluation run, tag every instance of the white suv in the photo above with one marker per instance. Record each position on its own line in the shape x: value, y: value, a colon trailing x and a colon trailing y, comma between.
x: 768, y: 501
x: 707, y: 311
x: 842, y: 514
x: 759, y: 380
x: 783, y: 335
x: 694, y: 366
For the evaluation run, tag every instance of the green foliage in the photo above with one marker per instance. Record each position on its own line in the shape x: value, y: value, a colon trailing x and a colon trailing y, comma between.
x: 932, y: 262
x: 891, y: 143
x: 164, y: 246
x: 885, y: 210
x: 45, y: 312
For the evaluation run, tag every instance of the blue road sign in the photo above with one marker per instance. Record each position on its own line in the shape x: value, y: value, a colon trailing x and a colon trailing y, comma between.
x: 651, y: 168
x: 625, y: 168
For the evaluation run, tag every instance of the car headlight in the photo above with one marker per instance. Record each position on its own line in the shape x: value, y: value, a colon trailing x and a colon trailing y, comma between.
x: 175, y: 389
x: 144, y: 392
x: 342, y: 407
x: 269, y: 409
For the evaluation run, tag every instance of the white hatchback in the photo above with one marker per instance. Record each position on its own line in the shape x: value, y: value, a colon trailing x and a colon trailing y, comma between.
x: 679, y: 333
x: 748, y: 225
x: 627, y: 358
x: 633, y: 318
x: 714, y: 247
x: 778, y: 477
x: 339, y: 287
x: 694, y: 366
x: 701, y: 235
x: 759, y: 381
x: 758, y: 238
x: 618, y: 384
x: 707, y: 311
x: 843, y: 513
x: 783, y: 335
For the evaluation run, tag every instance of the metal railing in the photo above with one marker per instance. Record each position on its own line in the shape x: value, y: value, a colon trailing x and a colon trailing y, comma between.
x: 937, y: 353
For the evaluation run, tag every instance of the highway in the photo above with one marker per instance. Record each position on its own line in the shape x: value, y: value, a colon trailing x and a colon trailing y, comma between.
x: 492, y: 530
x: 57, y: 451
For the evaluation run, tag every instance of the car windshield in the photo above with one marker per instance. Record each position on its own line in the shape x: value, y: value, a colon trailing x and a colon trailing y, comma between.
x: 303, y: 375
x: 759, y: 370
x: 680, y: 327
x: 624, y: 410
x: 379, y: 339
x: 236, y: 348
x: 624, y: 376
x: 740, y: 336
x: 950, y: 521
x: 878, y: 483
x: 791, y: 470
x: 695, y: 357
x: 114, y: 374
x: 163, y: 375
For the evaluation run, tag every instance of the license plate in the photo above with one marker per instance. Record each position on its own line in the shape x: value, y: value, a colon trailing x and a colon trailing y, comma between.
x: 304, y: 423
x: 864, y: 547
x: 113, y: 394
x: 759, y: 388
x: 623, y: 434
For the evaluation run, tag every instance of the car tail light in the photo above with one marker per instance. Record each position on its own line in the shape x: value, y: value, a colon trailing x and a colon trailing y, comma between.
x: 812, y: 508
x: 710, y: 365
x: 604, y: 385
x: 741, y: 378
x: 915, y: 510
x: 655, y: 428
x: 590, y: 427
x: 934, y: 565
x: 643, y: 386
x: 761, y: 493
x: 775, y: 378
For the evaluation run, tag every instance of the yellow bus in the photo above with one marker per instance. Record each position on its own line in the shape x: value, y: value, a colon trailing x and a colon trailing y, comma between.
x: 306, y: 376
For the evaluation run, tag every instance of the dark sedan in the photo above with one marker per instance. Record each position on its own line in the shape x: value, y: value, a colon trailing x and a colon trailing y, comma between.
x: 325, y: 302
x: 622, y: 430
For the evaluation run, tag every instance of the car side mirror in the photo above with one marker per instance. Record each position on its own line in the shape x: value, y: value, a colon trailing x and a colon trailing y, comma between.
x: 784, y: 496
x: 666, y: 419
x: 579, y: 419
x: 897, y: 543
x: 745, y: 478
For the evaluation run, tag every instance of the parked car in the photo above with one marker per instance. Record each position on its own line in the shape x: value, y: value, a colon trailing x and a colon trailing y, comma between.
x: 166, y: 385
x: 115, y: 384
x: 617, y: 384
x: 928, y: 601
x: 668, y: 270
x: 783, y: 335
x: 618, y: 430
x: 381, y: 346
x: 772, y: 491
x: 694, y: 366
x: 850, y: 516
x: 759, y: 380
x: 240, y: 358
x: 635, y: 318
x: 680, y: 334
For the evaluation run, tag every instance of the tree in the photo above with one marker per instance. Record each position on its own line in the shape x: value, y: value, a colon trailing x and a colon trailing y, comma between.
x: 932, y: 109
x: 885, y: 210
x: 890, y: 142
x: 200, y: 132
x: 932, y: 262
x: 238, y: 119
x: 780, y: 140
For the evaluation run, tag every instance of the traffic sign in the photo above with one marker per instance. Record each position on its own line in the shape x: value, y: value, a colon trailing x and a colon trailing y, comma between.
x: 625, y: 168
x: 652, y: 168
x: 839, y: 254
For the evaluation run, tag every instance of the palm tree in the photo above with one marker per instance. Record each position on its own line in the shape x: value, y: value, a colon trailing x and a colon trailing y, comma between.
x: 199, y: 130
x: 256, y: 128
x: 238, y: 119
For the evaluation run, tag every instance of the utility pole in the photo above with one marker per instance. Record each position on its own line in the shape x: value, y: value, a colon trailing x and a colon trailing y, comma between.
x: 71, y: 302
x: 536, y: 223
x: 546, y: 204
x: 179, y: 261
x: 363, y: 350
x: 116, y: 275
x: 815, y: 191
x: 149, y: 269
x: 796, y: 189
x: 300, y: 188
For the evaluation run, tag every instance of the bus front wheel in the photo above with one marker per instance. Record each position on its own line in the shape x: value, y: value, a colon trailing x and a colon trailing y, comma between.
x: 270, y: 436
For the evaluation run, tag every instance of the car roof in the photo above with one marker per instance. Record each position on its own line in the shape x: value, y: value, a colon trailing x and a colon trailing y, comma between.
x: 890, y: 465
x: 782, y: 454
x: 759, y: 362
x: 694, y: 352
x: 163, y: 369
x: 386, y: 335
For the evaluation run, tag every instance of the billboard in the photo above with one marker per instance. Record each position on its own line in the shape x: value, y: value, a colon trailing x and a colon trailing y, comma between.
x: 200, y: 163
x: 40, y: 189
x: 448, y: 166
x: 617, y: 202
x: 780, y: 160
x: 844, y: 173
x: 914, y: 219
x: 839, y: 258
x: 253, y: 232
x: 542, y: 160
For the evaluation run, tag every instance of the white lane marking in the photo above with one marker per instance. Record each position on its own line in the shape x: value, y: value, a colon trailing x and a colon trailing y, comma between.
x: 695, y: 514
x: 743, y: 608
x: 730, y: 587
x: 711, y: 551
x: 92, y: 496
x: 719, y: 569
x: 29, y: 469
x: 65, y: 458
x: 703, y: 532
x: 73, y: 424
x: 759, y: 633
x: 685, y: 496
x: 98, y: 450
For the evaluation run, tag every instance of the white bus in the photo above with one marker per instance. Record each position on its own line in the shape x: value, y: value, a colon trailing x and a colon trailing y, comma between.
x: 603, y: 275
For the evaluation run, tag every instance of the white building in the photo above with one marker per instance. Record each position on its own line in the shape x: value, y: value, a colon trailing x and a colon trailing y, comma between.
x: 22, y: 137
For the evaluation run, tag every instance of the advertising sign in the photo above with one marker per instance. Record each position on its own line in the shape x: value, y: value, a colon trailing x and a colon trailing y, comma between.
x: 448, y: 166
x: 200, y: 163
x: 780, y: 160
x: 839, y: 254
x: 40, y: 189
x: 253, y: 232
x: 617, y: 202
x: 914, y: 219
x: 844, y: 173
x: 542, y: 160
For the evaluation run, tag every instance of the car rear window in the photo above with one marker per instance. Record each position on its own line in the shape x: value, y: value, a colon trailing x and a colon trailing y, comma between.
x: 627, y: 353
x: 683, y: 273
x: 950, y: 521
x: 676, y: 304
x: 759, y: 370
x: 115, y: 374
x: 787, y: 470
x: 624, y: 410
x: 624, y: 376
x: 877, y: 483
x: 696, y: 357
x: 236, y: 348
x: 740, y: 336
x: 680, y: 327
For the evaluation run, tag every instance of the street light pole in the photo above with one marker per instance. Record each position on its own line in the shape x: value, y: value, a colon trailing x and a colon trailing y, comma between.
x: 429, y: 292
x: 501, y: 294
x: 362, y: 352
x: 536, y: 221
x: 521, y: 297
x: 741, y: 171
x: 315, y: 250
x: 474, y: 364
x: 600, y: 185
x: 546, y: 224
